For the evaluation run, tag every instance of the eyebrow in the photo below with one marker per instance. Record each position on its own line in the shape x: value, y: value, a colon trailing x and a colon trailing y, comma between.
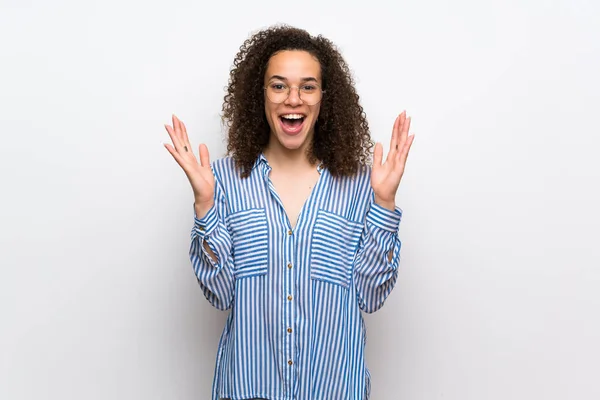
x: 282, y: 78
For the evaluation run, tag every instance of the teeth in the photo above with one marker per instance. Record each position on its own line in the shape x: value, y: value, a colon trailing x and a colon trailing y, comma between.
x: 292, y: 116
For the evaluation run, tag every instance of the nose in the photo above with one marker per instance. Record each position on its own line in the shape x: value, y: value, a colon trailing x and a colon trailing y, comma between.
x: 293, y: 98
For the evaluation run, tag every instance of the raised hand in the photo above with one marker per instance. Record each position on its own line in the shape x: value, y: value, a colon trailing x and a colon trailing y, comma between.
x: 199, y: 174
x: 385, y: 177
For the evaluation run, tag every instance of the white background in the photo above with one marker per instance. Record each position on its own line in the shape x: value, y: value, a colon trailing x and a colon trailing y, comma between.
x: 499, y: 291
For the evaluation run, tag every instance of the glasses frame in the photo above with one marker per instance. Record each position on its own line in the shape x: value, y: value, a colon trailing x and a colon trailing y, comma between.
x: 299, y: 94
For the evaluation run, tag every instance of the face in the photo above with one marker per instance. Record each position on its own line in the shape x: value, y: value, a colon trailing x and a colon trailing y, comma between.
x: 292, y: 121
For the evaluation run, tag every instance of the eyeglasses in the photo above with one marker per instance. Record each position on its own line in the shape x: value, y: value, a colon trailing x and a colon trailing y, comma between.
x: 309, y: 93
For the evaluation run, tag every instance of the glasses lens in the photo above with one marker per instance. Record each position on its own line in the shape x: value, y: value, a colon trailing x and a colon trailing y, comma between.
x: 277, y: 92
x: 310, y: 94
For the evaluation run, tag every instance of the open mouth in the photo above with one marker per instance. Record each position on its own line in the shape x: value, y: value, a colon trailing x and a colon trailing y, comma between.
x: 292, y: 123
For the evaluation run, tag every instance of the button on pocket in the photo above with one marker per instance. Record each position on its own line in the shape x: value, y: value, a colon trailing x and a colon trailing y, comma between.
x: 334, y: 244
x: 249, y: 236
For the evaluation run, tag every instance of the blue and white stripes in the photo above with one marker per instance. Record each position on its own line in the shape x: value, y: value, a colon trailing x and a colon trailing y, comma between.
x: 295, y: 330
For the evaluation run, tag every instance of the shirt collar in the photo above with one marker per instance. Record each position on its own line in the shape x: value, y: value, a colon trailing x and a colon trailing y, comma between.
x: 262, y: 160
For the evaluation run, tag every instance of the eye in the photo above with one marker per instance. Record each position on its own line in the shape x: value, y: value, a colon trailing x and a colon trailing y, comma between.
x: 278, y: 87
x: 309, y: 88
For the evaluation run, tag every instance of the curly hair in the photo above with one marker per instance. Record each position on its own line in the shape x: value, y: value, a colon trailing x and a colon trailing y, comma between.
x: 341, y: 141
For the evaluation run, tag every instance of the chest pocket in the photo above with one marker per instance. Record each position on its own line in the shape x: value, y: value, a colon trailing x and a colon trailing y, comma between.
x: 249, y: 236
x: 334, y: 244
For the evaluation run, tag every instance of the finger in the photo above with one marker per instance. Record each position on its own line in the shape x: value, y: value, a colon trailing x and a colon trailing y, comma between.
x: 403, y: 156
x: 394, y: 138
x: 405, y: 128
x: 182, y: 145
x: 178, y: 132
x: 403, y: 134
x: 175, y: 154
x: 377, y: 155
x: 204, y: 156
x: 185, y: 138
x: 175, y: 124
x: 173, y: 135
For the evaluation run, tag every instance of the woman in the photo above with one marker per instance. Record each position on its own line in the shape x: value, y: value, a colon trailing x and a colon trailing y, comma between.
x: 293, y: 231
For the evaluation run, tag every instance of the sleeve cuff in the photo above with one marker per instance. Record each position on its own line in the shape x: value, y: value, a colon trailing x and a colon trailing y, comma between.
x: 383, y: 218
x: 206, y: 225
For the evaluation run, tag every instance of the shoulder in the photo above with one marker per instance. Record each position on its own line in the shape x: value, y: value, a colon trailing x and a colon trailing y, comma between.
x: 226, y: 161
x: 225, y: 167
x: 357, y: 184
x: 363, y: 171
x: 362, y: 174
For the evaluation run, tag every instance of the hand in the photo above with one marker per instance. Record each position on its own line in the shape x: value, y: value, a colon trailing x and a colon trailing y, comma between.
x: 385, y: 178
x: 200, y: 174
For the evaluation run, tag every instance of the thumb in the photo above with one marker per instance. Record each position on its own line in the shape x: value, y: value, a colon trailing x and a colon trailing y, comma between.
x: 377, y: 155
x: 204, y: 156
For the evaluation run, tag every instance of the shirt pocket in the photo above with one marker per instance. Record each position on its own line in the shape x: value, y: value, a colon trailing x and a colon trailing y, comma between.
x: 249, y: 236
x: 334, y: 244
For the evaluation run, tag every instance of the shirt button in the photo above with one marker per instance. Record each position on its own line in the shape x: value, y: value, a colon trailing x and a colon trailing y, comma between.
x: 290, y: 297
x: 290, y: 362
x: 289, y: 265
x: 289, y: 330
x: 202, y: 228
x: 290, y: 232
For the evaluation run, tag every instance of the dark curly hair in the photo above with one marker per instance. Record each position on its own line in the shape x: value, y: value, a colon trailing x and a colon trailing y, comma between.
x: 341, y: 141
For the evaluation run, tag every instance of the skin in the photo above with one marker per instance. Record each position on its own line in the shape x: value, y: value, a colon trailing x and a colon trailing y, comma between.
x: 292, y: 173
x: 293, y: 68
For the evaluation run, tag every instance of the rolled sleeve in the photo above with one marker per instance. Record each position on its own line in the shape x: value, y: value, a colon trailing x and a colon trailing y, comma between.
x: 375, y: 273
x: 206, y: 225
x: 383, y: 218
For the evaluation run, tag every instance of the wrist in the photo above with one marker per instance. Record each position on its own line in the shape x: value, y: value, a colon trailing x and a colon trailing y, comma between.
x: 388, y: 204
x: 202, y: 208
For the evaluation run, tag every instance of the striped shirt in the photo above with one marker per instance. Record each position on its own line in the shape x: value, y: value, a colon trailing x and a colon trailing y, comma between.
x: 295, y: 329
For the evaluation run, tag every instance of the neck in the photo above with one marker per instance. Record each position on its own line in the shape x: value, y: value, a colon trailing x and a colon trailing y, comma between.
x: 282, y: 158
